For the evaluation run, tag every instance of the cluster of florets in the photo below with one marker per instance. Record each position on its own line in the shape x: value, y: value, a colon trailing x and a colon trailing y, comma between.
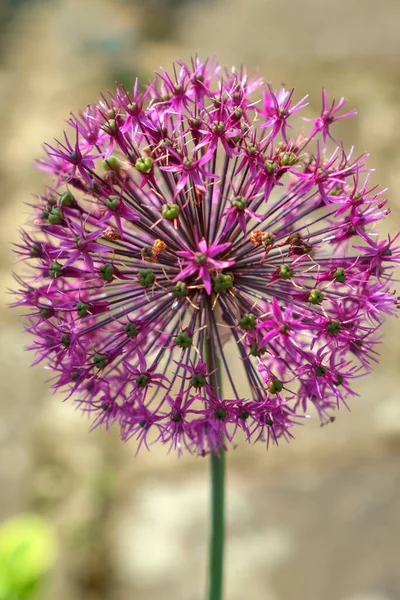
x: 187, y: 214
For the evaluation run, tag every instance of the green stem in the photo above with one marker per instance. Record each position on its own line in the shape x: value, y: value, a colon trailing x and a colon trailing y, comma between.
x: 217, y: 472
x: 216, y: 556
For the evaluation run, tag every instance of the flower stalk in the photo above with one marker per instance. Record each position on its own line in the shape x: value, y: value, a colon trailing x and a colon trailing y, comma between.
x: 217, y: 481
x: 217, y: 533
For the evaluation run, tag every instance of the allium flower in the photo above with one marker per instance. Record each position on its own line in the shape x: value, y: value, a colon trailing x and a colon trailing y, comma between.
x: 189, y: 213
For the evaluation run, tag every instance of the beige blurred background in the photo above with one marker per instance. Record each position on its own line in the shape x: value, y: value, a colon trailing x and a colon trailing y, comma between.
x: 318, y: 519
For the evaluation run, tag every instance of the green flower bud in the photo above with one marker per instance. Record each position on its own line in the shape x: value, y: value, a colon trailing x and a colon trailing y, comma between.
x: 200, y: 258
x: 170, y: 211
x: 110, y: 126
x: 198, y: 380
x: 285, y: 272
x: 338, y: 381
x: 67, y: 199
x: 183, y: 340
x: 45, y: 313
x: 316, y: 297
x: 111, y: 164
x: 234, y: 139
x: 144, y: 164
x: 55, y: 269
x: 142, y: 380
x: 244, y: 415
x: 146, y: 277
x: 334, y: 327
x: 187, y: 162
x: 239, y: 202
x: 271, y: 166
x: 74, y: 374
x: 131, y: 330
x: 45, y: 212
x: 218, y: 127
x: 320, y: 371
x: 35, y: 250
x: 65, y: 340
x: 223, y: 283
x: 100, y: 361
x: 106, y: 272
x: 147, y: 253
x: 78, y: 242
x: 340, y: 275
x: 306, y: 248
x: 247, y: 322
x: 275, y: 386
x: 220, y: 414
x: 288, y: 159
x: 268, y: 239
x: 254, y: 350
x: 251, y: 149
x: 176, y: 418
x: 112, y: 202
x: 180, y: 290
x: 82, y: 309
x: 56, y: 216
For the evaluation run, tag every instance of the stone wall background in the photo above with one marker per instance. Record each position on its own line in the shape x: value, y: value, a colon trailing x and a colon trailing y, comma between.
x: 316, y: 519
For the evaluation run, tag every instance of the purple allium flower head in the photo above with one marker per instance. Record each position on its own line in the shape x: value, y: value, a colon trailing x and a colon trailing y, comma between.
x: 187, y: 214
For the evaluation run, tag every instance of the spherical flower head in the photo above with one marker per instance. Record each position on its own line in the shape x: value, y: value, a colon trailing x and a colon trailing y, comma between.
x: 188, y: 213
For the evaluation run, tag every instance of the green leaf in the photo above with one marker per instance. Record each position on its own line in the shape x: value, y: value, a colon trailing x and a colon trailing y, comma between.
x: 27, y: 552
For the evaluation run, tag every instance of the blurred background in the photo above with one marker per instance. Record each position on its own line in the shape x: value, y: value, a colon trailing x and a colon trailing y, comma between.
x: 316, y: 519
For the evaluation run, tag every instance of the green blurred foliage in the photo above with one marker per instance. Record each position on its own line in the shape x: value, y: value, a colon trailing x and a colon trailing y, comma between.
x: 27, y: 552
